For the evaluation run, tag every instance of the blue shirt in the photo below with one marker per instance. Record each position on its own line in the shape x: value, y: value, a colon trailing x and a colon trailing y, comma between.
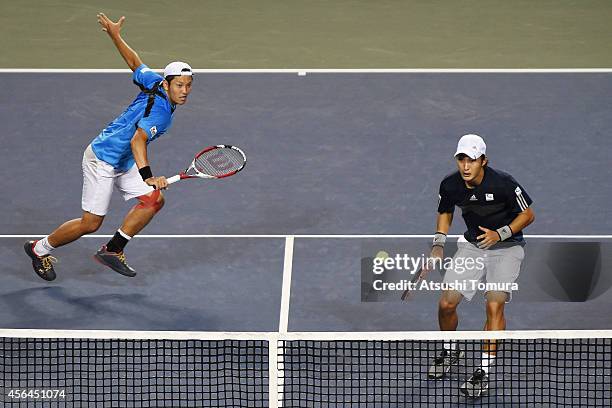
x: 112, y: 145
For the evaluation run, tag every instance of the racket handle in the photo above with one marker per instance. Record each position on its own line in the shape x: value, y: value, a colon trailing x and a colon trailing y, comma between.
x: 173, y: 179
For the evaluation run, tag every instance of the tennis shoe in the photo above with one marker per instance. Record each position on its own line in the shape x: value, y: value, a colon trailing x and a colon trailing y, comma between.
x: 443, y: 363
x: 114, y: 260
x: 476, y: 385
x: 43, y: 265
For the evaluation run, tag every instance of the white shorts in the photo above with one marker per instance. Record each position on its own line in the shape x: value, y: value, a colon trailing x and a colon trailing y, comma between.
x: 99, y: 178
x: 500, y: 267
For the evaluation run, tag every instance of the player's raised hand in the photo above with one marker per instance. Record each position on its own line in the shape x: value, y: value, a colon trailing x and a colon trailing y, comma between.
x: 110, y: 26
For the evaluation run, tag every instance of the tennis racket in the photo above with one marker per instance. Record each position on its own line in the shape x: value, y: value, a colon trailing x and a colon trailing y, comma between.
x: 214, y: 162
x: 416, y: 278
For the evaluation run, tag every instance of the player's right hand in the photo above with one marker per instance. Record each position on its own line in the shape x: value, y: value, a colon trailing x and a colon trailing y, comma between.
x: 437, y: 252
x: 435, y: 257
x: 158, y: 183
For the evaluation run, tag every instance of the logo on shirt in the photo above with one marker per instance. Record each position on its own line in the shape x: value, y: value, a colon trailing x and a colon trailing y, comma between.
x: 489, y: 197
x: 517, y: 190
x: 153, y: 131
x: 473, y: 198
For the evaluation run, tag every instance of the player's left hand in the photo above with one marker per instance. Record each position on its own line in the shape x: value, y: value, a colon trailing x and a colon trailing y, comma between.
x: 488, y: 239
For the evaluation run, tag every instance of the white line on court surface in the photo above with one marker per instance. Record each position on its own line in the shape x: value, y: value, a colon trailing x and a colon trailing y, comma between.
x: 283, y: 323
x: 310, y: 236
x: 303, y: 71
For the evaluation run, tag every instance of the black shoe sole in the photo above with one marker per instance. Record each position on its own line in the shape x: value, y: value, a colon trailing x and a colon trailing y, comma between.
x: 101, y: 262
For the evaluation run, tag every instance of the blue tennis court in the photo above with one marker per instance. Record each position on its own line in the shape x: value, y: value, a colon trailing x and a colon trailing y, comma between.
x: 341, y: 165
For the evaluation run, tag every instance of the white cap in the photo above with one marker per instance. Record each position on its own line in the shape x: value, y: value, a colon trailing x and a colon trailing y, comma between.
x: 177, y: 68
x: 472, y: 146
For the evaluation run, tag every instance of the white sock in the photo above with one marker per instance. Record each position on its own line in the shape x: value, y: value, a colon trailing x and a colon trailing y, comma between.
x: 487, y: 361
x: 450, y: 345
x: 43, y: 247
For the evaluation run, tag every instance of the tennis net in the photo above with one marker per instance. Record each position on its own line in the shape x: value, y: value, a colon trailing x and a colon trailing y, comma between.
x: 131, y: 369
x: 330, y: 369
x: 552, y: 369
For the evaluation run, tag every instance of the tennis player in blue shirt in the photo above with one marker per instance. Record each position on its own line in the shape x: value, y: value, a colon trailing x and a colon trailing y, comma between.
x: 117, y: 157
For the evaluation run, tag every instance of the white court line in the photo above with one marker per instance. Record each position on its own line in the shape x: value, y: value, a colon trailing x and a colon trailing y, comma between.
x: 325, y: 71
x: 310, y: 236
x: 283, y: 323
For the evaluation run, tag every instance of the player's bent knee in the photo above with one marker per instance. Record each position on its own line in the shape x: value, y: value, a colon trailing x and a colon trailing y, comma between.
x: 152, y: 201
x: 89, y: 225
x: 90, y: 228
x: 495, y: 308
x: 447, y: 307
x: 161, y: 200
x: 449, y: 301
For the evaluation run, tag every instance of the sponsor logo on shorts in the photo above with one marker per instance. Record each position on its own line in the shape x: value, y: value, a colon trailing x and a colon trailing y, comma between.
x: 153, y: 131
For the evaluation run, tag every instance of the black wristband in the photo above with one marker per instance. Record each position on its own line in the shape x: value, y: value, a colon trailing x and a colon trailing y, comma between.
x: 145, y: 172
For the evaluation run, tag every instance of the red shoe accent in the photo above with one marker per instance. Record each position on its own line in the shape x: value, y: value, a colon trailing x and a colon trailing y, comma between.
x: 33, y: 251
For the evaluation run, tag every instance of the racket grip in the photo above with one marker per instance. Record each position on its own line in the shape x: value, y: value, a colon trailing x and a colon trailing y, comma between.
x: 173, y: 179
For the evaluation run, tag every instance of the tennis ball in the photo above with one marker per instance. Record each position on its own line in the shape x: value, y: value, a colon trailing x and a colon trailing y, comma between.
x: 382, y: 254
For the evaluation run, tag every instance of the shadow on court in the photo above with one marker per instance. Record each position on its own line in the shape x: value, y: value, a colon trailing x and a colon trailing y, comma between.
x: 330, y: 288
x: 196, y: 284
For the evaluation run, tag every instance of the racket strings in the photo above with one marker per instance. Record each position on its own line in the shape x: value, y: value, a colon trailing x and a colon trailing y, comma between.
x: 219, y: 162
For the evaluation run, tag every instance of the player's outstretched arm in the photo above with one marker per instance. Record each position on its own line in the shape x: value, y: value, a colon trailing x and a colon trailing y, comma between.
x: 114, y: 32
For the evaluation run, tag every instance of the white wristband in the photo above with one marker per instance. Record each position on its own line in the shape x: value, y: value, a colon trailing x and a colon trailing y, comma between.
x: 504, y: 232
x: 439, y: 240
